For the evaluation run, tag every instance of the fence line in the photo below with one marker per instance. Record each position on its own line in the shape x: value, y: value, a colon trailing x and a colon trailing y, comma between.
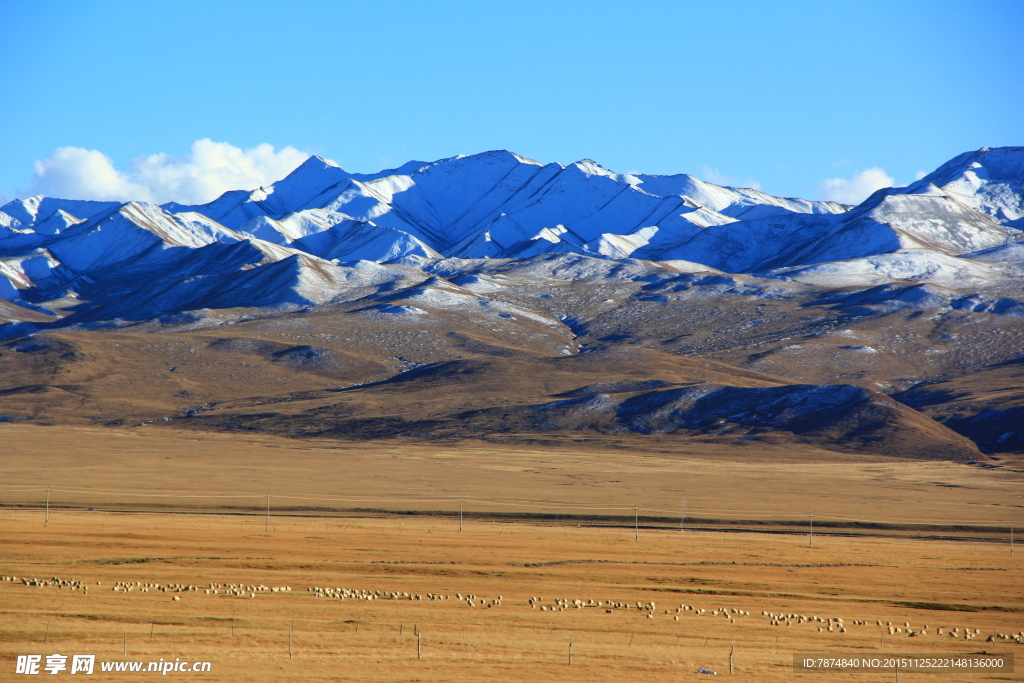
x: 512, y: 502
x: 693, y: 516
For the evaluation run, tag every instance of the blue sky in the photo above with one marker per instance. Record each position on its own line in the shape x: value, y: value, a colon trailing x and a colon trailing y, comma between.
x: 782, y: 95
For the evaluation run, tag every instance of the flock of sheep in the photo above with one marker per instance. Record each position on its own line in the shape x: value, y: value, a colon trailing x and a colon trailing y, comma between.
x: 239, y: 590
x: 55, y: 581
x: 828, y: 624
x: 609, y: 606
x: 836, y: 624
x: 823, y: 624
x: 355, y: 594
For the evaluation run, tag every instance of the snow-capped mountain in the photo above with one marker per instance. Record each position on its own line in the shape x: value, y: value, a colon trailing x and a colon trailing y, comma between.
x: 495, y: 205
x: 813, y: 310
x: 990, y: 180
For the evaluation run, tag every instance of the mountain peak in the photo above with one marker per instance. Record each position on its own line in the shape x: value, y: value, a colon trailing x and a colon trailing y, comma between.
x: 990, y: 179
x: 999, y: 164
x: 319, y: 162
x: 591, y: 167
x: 313, y: 163
x: 502, y: 154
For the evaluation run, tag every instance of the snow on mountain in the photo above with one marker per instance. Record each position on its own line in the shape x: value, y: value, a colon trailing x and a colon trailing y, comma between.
x: 12, y: 281
x: 740, y: 246
x: 737, y: 203
x: 989, y: 180
x: 437, y: 293
x: 621, y: 246
x: 129, y: 232
x: 499, y: 205
x: 921, y: 265
x: 249, y: 273
x: 24, y: 271
x: 882, y: 224
x: 566, y: 267
x: 311, y: 178
x: 57, y: 223
x: 1013, y: 253
x: 352, y: 240
x: 887, y: 298
x: 24, y: 215
x: 954, y: 228
x: 929, y: 220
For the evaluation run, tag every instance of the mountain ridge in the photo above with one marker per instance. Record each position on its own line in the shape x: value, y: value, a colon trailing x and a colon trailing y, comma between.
x: 359, y: 278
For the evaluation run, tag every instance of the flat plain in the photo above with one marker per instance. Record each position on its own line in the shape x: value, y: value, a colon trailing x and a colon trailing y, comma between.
x: 907, y: 542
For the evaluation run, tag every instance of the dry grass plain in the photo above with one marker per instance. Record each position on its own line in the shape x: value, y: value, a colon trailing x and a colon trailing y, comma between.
x: 186, y: 530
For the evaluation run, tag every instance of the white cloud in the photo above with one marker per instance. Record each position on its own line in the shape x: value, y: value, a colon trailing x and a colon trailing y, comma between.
x: 212, y: 168
x: 713, y: 175
x: 76, y: 173
x: 209, y: 170
x: 919, y: 175
x: 856, y: 189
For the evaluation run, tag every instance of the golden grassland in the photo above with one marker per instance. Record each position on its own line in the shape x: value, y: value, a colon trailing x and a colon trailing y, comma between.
x: 197, y: 471
x: 949, y: 578
x: 938, y: 583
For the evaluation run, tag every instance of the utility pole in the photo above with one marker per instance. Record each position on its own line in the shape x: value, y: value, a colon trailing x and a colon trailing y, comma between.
x: 268, y: 511
x: 47, y: 522
x: 636, y: 523
x: 810, y: 536
x: 1011, y: 539
x: 460, y: 516
x: 570, y: 650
